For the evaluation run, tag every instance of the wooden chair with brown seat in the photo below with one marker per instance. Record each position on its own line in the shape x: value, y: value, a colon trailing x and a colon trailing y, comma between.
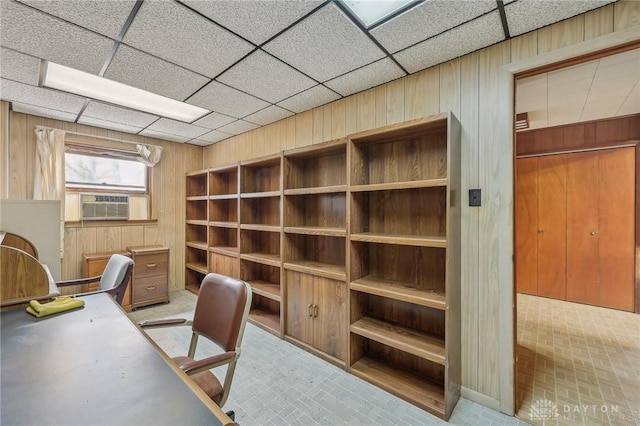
x: 220, y: 316
x: 114, y: 279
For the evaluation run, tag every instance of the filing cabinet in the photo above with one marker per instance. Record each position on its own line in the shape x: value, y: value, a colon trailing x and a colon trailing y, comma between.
x: 94, y: 264
x: 150, y: 282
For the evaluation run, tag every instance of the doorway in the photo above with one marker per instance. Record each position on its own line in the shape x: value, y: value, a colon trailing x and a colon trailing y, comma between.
x: 576, y: 361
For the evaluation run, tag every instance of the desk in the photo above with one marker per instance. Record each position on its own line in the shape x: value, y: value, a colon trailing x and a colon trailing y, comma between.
x: 93, y: 366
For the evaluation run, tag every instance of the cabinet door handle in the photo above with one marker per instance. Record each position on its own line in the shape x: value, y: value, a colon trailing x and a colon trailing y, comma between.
x: 315, y: 311
x: 309, y: 310
x: 153, y: 287
x: 593, y: 233
x: 151, y: 265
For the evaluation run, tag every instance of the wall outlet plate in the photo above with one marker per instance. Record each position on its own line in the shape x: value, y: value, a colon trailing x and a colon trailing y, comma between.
x: 475, y: 198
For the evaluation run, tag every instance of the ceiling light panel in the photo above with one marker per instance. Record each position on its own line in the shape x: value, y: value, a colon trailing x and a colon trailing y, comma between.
x: 469, y: 37
x: 372, y: 12
x: 268, y: 115
x: 35, y: 33
x: 119, y: 115
x: 379, y: 72
x: 139, y: 69
x: 325, y: 45
x: 226, y: 100
x: 179, y: 35
x: 211, y: 137
x: 164, y: 136
x: 42, y: 112
x: 18, y: 92
x: 257, y: 21
x: 238, y: 127
x: 174, y: 127
x: 427, y: 20
x: 104, y: 17
x: 214, y: 120
x: 265, y: 77
x: 19, y: 67
x: 314, y: 97
x: 106, y: 124
x: 527, y: 15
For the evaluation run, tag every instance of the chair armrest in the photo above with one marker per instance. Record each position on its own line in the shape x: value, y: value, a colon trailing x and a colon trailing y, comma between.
x: 169, y: 322
x: 208, y: 363
x: 79, y: 281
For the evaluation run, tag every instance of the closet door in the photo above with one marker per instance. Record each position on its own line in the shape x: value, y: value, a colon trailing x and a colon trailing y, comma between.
x: 582, y: 227
x: 552, y: 226
x: 527, y: 225
x: 617, y: 228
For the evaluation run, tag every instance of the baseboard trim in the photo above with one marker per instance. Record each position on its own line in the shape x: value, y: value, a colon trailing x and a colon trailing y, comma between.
x: 480, y: 398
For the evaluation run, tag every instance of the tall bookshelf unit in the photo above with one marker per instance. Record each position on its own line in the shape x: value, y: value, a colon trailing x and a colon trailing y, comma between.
x: 260, y: 238
x: 352, y: 249
x: 405, y: 260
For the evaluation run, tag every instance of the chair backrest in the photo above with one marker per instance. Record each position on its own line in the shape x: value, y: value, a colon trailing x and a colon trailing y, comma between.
x: 222, y: 309
x: 115, y: 277
x: 13, y: 240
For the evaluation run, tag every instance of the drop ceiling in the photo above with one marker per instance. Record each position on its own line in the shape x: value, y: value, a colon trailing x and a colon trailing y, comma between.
x: 250, y: 62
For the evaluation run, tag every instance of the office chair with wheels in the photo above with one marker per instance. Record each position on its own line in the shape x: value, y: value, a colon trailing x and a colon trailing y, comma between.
x: 220, y: 316
x: 114, y: 279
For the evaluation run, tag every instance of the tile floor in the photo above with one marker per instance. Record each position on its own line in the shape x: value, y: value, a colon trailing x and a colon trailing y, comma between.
x: 577, y: 364
x: 277, y: 383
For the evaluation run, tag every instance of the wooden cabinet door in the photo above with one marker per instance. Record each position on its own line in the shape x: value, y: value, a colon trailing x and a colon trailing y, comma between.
x: 582, y: 228
x: 330, y: 333
x: 552, y: 226
x: 299, y: 312
x: 527, y: 225
x: 617, y: 228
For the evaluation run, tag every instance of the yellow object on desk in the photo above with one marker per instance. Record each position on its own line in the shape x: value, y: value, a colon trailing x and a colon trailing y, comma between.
x: 61, y: 304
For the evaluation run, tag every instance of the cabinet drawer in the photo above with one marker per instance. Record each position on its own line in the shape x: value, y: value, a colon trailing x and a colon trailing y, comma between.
x: 150, y: 288
x: 150, y: 265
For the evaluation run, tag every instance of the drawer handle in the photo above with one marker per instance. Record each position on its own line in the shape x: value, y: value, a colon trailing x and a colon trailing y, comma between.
x: 151, y: 265
x: 153, y: 287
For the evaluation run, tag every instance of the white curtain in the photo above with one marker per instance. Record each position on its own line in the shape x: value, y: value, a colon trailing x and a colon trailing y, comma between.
x: 149, y: 154
x: 49, y: 180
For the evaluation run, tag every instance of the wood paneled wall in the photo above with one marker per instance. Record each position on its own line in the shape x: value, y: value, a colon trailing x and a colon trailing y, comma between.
x: 167, y: 201
x: 478, y: 89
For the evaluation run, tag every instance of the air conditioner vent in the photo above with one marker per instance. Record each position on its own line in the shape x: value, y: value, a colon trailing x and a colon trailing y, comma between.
x: 104, y: 207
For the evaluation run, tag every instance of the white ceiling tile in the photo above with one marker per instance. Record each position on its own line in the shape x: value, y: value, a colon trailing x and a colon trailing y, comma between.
x: 19, y: 67
x: 268, y: 115
x: 46, y: 98
x: 466, y: 38
x: 265, y: 77
x: 314, y: 97
x: 104, y: 17
x: 211, y: 137
x: 141, y: 70
x: 106, y: 124
x: 427, y: 20
x: 238, y: 127
x: 35, y: 33
x: 166, y: 125
x: 325, y: 45
x: 198, y: 142
x: 164, y: 136
x: 42, y: 112
x: 257, y: 21
x: 119, y: 115
x: 179, y: 35
x: 214, y: 120
x: 631, y: 105
x: 366, y: 77
x: 527, y: 15
x: 226, y: 100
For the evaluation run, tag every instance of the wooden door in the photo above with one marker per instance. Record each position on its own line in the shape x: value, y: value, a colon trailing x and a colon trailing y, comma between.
x: 552, y: 226
x: 582, y: 227
x: 616, y: 229
x: 330, y: 333
x: 299, y: 298
x: 527, y: 225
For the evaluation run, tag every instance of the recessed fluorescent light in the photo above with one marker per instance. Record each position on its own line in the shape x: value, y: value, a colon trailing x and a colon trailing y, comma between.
x: 70, y: 80
x: 370, y: 12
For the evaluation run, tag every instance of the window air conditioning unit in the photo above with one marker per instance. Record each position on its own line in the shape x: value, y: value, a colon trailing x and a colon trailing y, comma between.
x: 104, y: 207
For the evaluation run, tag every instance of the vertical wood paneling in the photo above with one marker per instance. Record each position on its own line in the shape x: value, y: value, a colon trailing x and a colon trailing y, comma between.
x: 366, y: 110
x: 556, y: 36
x: 4, y: 149
x: 524, y: 46
x: 450, y: 87
x: 304, y: 129
x: 351, y: 113
x: 18, y: 165
x: 395, y: 101
x: 318, y: 125
x: 599, y: 22
x: 338, y: 119
x: 290, y: 133
x: 326, y: 122
x: 381, y: 105
x: 422, y: 93
x: 626, y: 14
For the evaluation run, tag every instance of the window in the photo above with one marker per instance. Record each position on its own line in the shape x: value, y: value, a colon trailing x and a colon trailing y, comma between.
x: 93, y: 172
